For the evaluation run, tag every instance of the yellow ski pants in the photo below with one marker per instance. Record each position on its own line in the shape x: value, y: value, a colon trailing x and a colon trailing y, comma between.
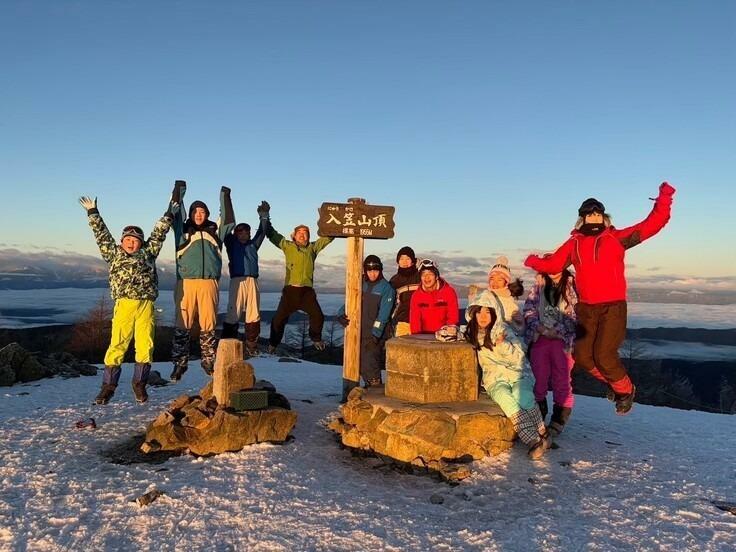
x: 132, y: 318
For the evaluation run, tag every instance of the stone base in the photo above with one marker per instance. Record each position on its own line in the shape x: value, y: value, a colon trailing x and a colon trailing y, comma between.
x: 425, y: 435
x: 201, y: 426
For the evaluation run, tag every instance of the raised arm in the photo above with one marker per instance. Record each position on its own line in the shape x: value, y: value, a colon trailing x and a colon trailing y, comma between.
x: 227, y: 214
x: 557, y: 262
x: 655, y: 221
x: 273, y: 236
x: 103, y: 237
x: 176, y: 207
x: 158, y: 235
x: 321, y: 243
x: 263, y: 211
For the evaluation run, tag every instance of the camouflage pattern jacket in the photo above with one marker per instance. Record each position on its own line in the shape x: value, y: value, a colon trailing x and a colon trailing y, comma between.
x: 131, y: 276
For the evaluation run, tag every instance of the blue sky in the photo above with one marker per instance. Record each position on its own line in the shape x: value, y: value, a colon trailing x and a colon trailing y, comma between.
x: 484, y: 123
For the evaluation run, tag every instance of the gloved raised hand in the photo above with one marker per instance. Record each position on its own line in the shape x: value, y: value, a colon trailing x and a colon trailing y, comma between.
x: 666, y: 189
x: 179, y: 188
x: 225, y: 190
x: 264, y: 210
x: 88, y: 204
x: 343, y: 320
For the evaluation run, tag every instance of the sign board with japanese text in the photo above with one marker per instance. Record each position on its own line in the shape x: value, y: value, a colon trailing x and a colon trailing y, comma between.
x: 356, y: 220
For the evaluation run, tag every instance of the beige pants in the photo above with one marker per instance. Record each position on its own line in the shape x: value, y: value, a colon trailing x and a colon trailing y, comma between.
x: 243, y: 297
x: 402, y: 328
x: 196, y: 299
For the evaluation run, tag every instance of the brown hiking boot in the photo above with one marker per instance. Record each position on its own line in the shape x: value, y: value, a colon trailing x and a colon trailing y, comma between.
x: 106, y: 393
x: 139, y: 390
x: 624, y: 403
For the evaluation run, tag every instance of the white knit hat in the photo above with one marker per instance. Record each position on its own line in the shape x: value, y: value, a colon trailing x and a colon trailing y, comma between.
x: 501, y: 267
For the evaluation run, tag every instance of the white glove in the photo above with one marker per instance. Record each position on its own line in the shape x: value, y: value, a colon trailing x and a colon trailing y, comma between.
x: 88, y: 203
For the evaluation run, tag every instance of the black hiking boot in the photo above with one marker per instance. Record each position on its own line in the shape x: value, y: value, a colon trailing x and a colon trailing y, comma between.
x: 560, y: 415
x: 178, y: 372
x: 624, y: 403
x: 105, y: 394
x: 543, y: 408
x: 139, y: 390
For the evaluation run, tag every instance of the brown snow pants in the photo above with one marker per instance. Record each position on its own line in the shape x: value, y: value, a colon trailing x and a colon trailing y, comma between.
x: 601, y: 329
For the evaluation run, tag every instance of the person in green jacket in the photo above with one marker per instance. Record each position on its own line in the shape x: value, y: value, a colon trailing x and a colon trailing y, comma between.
x: 298, y: 293
x: 134, y: 288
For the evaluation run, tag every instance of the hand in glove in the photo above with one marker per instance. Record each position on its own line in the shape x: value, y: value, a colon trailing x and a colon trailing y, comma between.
x: 226, y: 190
x: 88, y: 203
x: 343, y: 320
x: 179, y: 188
x: 666, y: 189
x: 264, y: 209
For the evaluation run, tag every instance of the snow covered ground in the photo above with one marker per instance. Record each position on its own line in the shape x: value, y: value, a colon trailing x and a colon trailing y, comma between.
x: 642, y: 482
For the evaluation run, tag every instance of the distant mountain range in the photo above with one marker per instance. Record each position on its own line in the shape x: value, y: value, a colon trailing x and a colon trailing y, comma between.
x: 47, y: 270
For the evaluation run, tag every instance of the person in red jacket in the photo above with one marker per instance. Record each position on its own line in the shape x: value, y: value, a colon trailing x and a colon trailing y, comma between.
x: 434, y: 304
x: 596, y: 249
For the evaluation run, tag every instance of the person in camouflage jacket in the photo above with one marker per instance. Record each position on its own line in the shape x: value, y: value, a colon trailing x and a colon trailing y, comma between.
x: 134, y: 288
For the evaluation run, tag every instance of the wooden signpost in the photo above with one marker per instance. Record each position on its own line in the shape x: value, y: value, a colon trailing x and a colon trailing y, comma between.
x: 356, y: 221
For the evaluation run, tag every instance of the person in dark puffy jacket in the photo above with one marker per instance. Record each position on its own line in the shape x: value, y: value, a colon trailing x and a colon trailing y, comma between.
x: 244, y: 296
x: 596, y: 249
x: 434, y: 304
x: 375, y: 312
x: 406, y: 281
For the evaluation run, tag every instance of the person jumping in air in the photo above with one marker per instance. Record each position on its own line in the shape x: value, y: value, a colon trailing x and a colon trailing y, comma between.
x: 298, y: 292
x: 597, y: 249
x: 134, y: 288
x: 244, y: 297
x: 198, y: 270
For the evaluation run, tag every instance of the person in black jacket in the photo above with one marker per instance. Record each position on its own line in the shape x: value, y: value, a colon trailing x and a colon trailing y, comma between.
x: 405, y: 282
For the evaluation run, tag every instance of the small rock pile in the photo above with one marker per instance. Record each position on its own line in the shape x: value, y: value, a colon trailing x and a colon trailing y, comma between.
x: 19, y: 366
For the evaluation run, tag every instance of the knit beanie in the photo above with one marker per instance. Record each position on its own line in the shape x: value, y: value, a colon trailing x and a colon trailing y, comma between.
x: 134, y: 231
x: 409, y: 252
x: 372, y: 262
x: 201, y: 205
x: 501, y: 267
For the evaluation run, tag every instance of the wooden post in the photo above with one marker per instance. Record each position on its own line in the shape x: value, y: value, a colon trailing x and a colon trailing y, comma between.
x: 353, y: 296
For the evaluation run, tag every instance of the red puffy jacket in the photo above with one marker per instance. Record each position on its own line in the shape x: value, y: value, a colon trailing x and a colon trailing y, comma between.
x: 430, y: 310
x: 599, y: 259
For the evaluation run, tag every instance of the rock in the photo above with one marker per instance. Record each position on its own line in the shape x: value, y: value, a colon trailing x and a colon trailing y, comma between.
x: 454, y: 472
x: 278, y: 400
x: 422, y: 370
x: 264, y: 384
x: 147, y: 498
x: 7, y: 375
x: 194, y: 417
x: 477, y: 434
x: 206, y: 392
x: 24, y: 365
x: 437, y: 499
x: 411, y: 434
x: 231, y: 373
x: 155, y: 379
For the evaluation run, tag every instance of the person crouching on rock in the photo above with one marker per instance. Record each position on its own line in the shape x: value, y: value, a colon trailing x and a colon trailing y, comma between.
x: 596, y: 249
x: 375, y: 312
x: 134, y: 288
x: 434, y: 304
x: 507, y: 376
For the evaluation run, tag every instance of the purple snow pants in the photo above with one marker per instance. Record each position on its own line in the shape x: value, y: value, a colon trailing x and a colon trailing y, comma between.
x: 552, y: 367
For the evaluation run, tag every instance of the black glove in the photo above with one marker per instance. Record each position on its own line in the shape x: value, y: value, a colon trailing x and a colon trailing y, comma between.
x: 225, y: 189
x: 179, y: 187
x: 263, y: 210
x: 343, y: 320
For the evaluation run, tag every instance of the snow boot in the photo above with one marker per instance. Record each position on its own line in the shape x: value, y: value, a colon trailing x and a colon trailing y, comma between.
x: 537, y: 450
x: 180, y: 366
x: 140, y: 379
x: 110, y: 378
x: 560, y: 415
x: 208, y: 346
x: 543, y: 408
x: 229, y: 331
x: 624, y: 403
x: 252, y: 331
